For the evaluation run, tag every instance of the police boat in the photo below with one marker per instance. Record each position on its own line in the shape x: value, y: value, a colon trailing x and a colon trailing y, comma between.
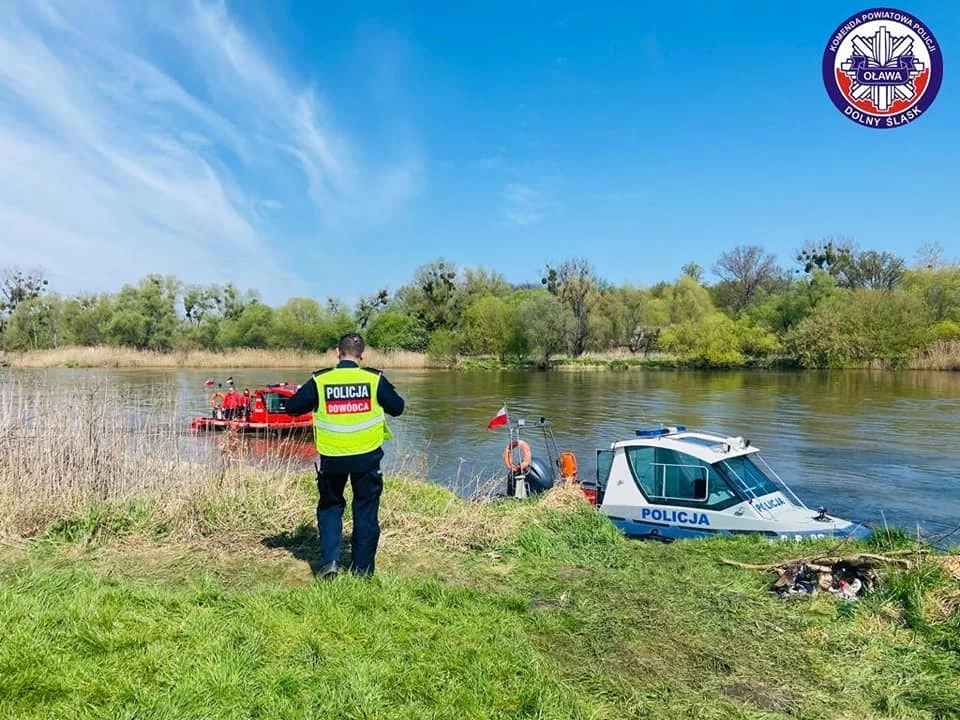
x: 668, y: 484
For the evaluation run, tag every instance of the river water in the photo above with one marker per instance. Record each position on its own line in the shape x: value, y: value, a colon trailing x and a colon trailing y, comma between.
x: 872, y: 446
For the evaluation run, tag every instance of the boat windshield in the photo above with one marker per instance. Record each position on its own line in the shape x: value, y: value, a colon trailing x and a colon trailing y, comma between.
x: 275, y: 402
x: 744, y: 473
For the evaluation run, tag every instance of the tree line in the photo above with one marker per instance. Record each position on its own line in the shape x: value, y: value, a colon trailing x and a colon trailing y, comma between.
x: 832, y: 305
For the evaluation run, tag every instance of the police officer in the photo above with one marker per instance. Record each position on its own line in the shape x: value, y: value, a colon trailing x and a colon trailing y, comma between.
x: 348, y: 403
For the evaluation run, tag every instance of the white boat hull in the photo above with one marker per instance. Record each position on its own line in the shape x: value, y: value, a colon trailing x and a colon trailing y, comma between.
x: 730, y: 504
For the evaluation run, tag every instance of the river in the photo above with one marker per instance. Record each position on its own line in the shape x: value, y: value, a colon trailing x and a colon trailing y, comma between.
x: 873, y: 446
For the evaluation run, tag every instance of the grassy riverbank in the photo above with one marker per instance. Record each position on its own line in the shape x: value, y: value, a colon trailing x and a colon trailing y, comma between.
x: 137, y: 583
x: 478, y: 610
x: 939, y: 356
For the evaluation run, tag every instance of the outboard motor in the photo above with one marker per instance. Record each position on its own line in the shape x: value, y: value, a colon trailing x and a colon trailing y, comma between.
x: 538, y: 476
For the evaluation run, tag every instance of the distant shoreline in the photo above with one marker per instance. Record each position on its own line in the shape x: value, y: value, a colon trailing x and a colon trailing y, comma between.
x: 940, y: 356
x: 128, y: 358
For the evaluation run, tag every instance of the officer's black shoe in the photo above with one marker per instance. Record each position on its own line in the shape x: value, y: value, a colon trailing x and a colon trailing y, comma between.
x: 328, y: 571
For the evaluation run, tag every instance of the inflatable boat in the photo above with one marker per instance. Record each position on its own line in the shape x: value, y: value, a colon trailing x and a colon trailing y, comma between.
x: 261, y: 412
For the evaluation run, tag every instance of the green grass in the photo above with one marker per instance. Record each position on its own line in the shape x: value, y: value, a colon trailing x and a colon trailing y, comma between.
x: 520, y: 610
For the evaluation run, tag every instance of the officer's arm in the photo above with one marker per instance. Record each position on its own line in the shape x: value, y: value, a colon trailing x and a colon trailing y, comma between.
x: 304, y: 400
x: 389, y: 399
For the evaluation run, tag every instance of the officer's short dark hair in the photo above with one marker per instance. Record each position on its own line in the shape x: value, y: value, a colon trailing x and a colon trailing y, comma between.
x: 351, y: 344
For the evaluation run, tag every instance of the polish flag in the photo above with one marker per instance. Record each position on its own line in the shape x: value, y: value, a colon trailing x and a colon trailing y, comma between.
x: 499, y: 419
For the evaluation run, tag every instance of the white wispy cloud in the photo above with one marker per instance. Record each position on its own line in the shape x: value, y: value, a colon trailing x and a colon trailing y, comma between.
x: 523, y: 205
x: 121, y: 158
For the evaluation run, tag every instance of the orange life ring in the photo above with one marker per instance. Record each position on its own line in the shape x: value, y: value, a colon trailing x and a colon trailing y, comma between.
x: 525, y: 456
x: 214, y: 399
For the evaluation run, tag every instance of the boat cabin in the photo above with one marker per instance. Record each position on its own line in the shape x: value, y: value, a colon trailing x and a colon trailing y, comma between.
x: 673, y: 483
x: 694, y: 469
x: 270, y: 400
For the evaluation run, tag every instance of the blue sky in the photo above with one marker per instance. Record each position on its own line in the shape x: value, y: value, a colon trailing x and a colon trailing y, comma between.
x: 310, y: 148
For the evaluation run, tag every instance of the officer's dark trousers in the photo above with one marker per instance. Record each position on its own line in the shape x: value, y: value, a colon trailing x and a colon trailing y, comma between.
x: 367, y: 487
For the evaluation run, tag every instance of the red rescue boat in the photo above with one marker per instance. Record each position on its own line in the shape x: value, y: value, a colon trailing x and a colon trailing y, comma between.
x: 262, y: 411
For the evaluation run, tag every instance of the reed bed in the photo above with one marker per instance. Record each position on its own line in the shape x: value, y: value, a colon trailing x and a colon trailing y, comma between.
x: 623, y: 354
x: 120, y: 357
x: 103, y: 461
x: 84, y: 456
x: 942, y: 355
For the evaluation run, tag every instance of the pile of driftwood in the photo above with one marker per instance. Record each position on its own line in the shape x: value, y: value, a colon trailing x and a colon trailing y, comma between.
x: 848, y: 577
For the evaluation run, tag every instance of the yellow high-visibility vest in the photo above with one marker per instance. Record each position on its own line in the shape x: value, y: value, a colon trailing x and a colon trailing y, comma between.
x: 348, y: 419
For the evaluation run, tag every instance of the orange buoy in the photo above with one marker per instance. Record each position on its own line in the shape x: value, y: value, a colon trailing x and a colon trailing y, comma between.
x: 525, y: 456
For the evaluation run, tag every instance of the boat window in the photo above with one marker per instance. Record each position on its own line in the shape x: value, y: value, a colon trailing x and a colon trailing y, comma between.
x: 275, y: 402
x: 641, y: 465
x: 671, y: 478
x: 742, y: 471
x: 682, y: 476
x: 604, y: 461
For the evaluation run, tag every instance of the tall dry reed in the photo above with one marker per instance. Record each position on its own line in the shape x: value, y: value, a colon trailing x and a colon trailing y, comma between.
x: 942, y: 355
x: 106, y: 460
x: 120, y: 357
x: 66, y: 453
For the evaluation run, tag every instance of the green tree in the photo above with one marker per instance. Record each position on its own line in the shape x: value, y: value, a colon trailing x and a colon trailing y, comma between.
x: 338, y: 323
x: 872, y: 269
x: 831, y: 256
x: 575, y: 284
x: 487, y: 327
x: 716, y: 340
x: 686, y: 300
x: 444, y: 346
x: 745, y: 271
x: 540, y: 324
x: 300, y: 324
x: 128, y: 328
x: 85, y: 319
x: 859, y: 326
x: 781, y: 311
x: 433, y: 297
x: 18, y: 285
x: 252, y: 329
x: 368, y: 307
x: 852, y: 268
x: 35, y: 324
x: 693, y: 270
x: 478, y: 282
x: 710, y: 340
x: 396, y: 331
x: 146, y: 316
x: 939, y: 289
x: 200, y: 302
